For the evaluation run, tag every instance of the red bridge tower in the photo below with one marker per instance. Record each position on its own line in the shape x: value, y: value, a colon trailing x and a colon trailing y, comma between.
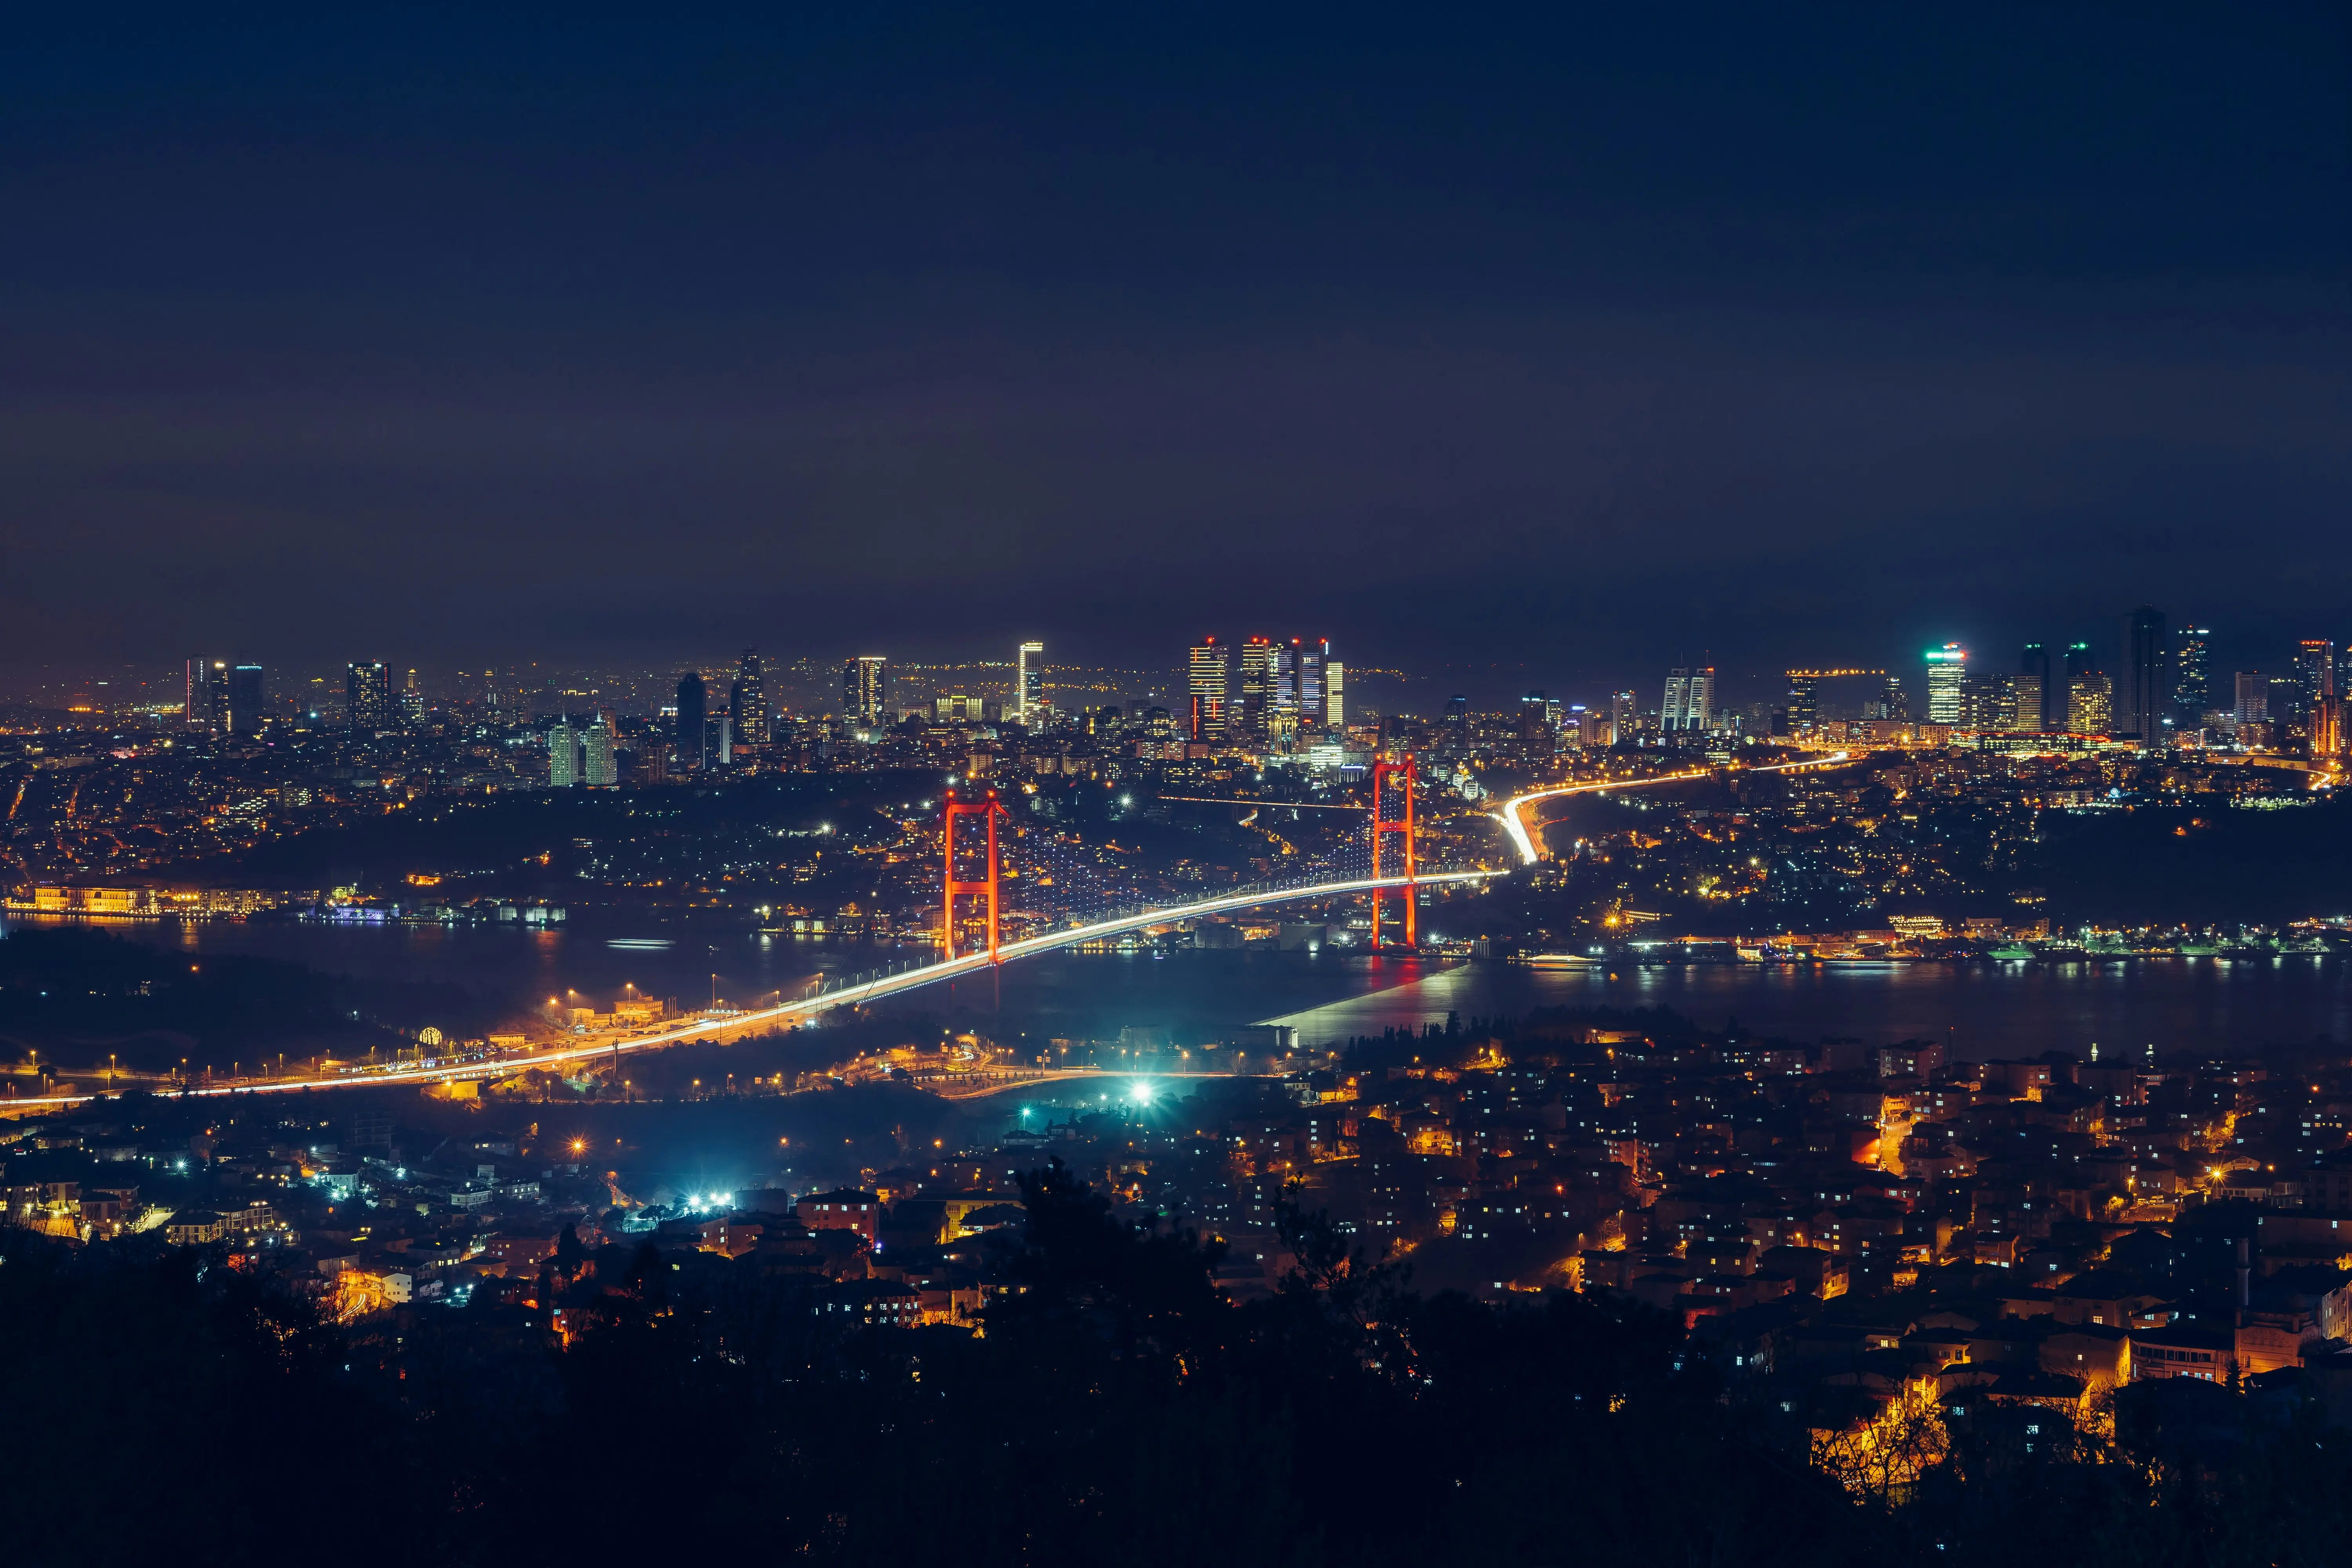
x: 1407, y: 773
x: 988, y: 811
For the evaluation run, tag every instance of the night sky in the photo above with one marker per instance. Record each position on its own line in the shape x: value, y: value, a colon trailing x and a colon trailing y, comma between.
x: 1572, y: 342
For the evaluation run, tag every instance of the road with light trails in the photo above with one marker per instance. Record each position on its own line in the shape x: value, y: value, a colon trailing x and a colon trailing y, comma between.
x: 604, y: 1048
x: 1515, y: 825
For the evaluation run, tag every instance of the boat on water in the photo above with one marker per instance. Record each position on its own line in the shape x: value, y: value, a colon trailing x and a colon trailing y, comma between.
x: 1560, y: 961
x: 2015, y: 952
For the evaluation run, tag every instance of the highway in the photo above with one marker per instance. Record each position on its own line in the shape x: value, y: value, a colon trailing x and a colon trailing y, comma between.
x: 1515, y: 823
x: 601, y: 1047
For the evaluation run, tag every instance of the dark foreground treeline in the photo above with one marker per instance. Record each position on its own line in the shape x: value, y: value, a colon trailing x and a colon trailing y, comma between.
x: 160, y: 1407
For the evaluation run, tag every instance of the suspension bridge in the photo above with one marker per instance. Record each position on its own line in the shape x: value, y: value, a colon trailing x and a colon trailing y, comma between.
x: 1388, y: 873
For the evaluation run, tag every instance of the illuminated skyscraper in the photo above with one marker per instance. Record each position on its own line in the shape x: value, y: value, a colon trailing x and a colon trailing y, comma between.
x: 1804, y: 703
x: 1334, y: 693
x: 2143, y: 695
x: 1256, y: 690
x: 2192, y: 681
x: 197, y: 703
x: 597, y: 768
x: 562, y: 755
x: 1208, y: 689
x: 748, y: 701
x: 693, y: 731
x: 1690, y: 698
x: 1028, y: 683
x: 1306, y: 661
x: 1947, y: 675
x: 866, y: 691
x: 2315, y: 672
x: 2036, y: 690
x: 2253, y: 697
x: 367, y: 698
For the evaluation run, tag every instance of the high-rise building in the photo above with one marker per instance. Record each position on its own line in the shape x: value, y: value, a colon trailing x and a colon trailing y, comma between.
x: 367, y: 698
x: 2037, y: 692
x: 1805, y: 704
x: 1991, y: 699
x: 1621, y: 717
x: 866, y: 691
x: 748, y: 700
x: 597, y: 768
x: 1335, y: 694
x: 693, y: 732
x: 562, y: 755
x: 1028, y: 683
x: 1690, y: 698
x: 2090, y: 702
x: 1948, y: 674
x: 197, y: 703
x: 244, y: 698
x: 2328, y: 727
x: 1308, y: 657
x: 2192, y: 680
x: 1892, y: 703
x: 1208, y: 673
x: 411, y: 704
x: 2253, y: 697
x: 2315, y: 672
x: 1256, y: 704
x: 2142, y: 694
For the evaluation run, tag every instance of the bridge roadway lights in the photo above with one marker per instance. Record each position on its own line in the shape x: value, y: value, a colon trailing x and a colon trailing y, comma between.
x: 795, y: 1012
x: 988, y: 811
x: 1515, y: 825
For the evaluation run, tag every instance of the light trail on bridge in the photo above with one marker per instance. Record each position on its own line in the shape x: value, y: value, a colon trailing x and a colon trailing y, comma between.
x: 1515, y: 826
x: 796, y: 1011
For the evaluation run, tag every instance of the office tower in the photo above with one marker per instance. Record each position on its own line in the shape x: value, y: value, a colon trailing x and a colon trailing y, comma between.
x: 367, y: 698
x: 2315, y: 672
x: 866, y: 691
x: 1307, y: 662
x: 1457, y: 714
x: 1690, y: 698
x: 411, y: 704
x: 1257, y: 690
x: 1991, y: 700
x: 2192, y: 681
x: 196, y: 700
x: 562, y: 755
x: 1028, y: 683
x: 1948, y: 673
x: 244, y: 698
x: 1207, y: 677
x: 1282, y: 689
x: 2253, y: 697
x: 1334, y: 693
x: 2142, y: 692
x: 2327, y: 723
x: 1804, y: 699
x: 725, y: 741
x: 491, y: 703
x: 2090, y: 701
x: 748, y: 700
x: 597, y: 768
x: 2036, y: 692
x: 693, y: 722
x: 216, y: 696
x: 1621, y: 718
x: 1893, y: 702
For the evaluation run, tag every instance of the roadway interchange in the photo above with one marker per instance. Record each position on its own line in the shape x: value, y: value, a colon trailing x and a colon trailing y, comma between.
x: 710, y: 1027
